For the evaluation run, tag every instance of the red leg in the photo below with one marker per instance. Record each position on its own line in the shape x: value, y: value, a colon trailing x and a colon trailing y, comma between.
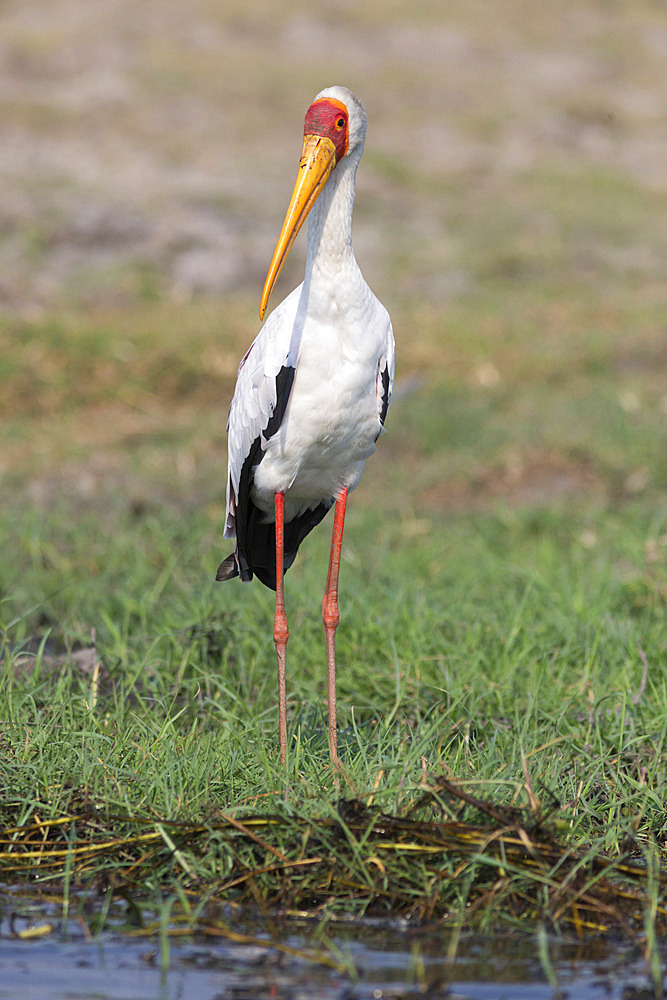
x: 280, y: 629
x: 330, y: 616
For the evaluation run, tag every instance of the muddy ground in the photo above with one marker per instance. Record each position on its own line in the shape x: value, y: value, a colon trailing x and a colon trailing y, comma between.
x: 162, y: 138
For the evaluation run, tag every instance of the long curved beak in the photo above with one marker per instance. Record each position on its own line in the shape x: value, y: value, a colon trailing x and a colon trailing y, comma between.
x: 318, y: 158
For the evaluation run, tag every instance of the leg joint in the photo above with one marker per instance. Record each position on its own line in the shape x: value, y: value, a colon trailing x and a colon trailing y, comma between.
x: 280, y: 630
x: 330, y: 612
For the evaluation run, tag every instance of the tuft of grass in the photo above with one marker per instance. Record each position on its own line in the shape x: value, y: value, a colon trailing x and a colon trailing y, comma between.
x: 354, y: 862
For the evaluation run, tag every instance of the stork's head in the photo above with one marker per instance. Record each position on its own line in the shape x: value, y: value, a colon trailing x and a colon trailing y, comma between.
x: 334, y: 128
x: 336, y: 114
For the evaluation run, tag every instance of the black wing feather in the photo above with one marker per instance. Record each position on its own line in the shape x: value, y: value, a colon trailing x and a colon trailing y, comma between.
x: 385, y: 394
x: 384, y: 403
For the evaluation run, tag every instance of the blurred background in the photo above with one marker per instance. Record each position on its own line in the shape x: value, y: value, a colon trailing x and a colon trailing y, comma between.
x: 510, y: 213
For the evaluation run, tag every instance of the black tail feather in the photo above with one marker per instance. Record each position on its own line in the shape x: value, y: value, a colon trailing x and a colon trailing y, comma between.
x: 227, y: 569
x: 257, y: 553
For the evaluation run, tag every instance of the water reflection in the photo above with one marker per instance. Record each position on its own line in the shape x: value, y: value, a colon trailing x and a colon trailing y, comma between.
x: 376, y: 962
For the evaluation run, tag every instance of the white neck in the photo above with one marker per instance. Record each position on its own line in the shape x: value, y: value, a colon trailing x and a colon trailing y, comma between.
x: 330, y: 227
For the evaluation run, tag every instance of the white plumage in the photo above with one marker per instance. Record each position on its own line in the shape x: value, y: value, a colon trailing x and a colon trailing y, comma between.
x: 313, y: 390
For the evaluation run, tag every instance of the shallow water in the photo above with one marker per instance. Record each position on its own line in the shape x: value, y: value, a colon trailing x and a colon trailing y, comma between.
x: 383, y: 963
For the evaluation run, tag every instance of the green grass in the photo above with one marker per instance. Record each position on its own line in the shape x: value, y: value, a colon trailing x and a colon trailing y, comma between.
x: 488, y: 637
x: 503, y: 591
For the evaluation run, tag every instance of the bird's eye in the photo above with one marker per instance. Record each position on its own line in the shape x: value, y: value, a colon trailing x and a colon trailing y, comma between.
x: 340, y: 123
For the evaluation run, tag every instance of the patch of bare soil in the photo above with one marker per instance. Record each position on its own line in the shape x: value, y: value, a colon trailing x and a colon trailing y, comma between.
x: 520, y: 481
x: 159, y: 139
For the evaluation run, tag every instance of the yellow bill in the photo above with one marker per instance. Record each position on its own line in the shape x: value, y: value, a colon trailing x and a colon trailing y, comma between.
x: 318, y: 158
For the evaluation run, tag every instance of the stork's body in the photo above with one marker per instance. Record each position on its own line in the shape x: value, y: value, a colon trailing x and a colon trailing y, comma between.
x: 313, y: 390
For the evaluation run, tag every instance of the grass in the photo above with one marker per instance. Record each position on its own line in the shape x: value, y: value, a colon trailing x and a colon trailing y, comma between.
x: 509, y: 627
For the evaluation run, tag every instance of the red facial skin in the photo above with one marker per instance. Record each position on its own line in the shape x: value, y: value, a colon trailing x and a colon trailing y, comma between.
x: 328, y: 118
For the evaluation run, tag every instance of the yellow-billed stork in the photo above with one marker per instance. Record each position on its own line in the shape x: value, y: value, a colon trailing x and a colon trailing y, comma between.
x: 313, y: 389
